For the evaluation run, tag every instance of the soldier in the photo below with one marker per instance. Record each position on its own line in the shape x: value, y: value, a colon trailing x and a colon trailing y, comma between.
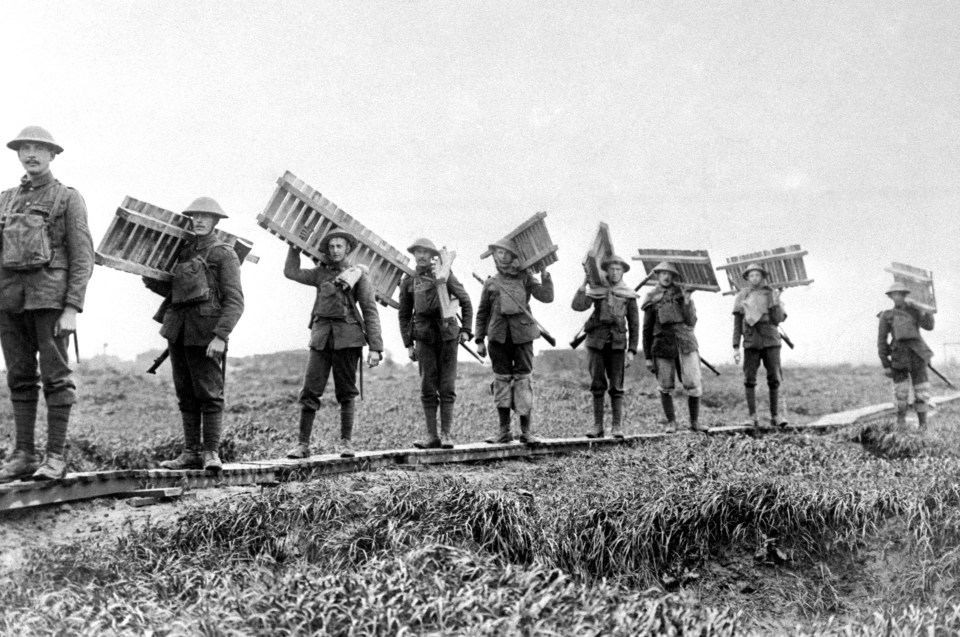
x: 904, y: 354
x: 504, y: 315
x: 432, y: 340
x: 337, y: 334
x: 615, y: 319
x: 47, y: 260
x: 670, y: 345
x: 201, y: 308
x: 757, y: 312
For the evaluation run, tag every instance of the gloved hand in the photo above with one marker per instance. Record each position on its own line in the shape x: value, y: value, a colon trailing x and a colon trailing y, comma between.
x: 412, y: 353
x: 651, y: 366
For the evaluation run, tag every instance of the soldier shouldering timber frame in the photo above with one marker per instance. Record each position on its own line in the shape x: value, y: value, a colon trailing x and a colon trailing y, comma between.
x: 47, y: 260
x: 201, y: 308
x: 904, y: 354
x: 612, y: 335
x: 337, y: 334
x: 432, y: 340
x: 504, y: 316
x: 669, y: 344
x: 757, y: 313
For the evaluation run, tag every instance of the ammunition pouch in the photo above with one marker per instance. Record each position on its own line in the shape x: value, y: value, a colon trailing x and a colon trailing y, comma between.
x: 27, y: 244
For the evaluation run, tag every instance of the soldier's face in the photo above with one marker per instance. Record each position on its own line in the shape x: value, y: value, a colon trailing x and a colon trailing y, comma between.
x: 422, y: 257
x: 899, y: 298
x: 665, y: 278
x: 614, y: 273
x: 337, y: 249
x: 503, y: 256
x: 35, y: 158
x: 754, y: 277
x: 203, y: 223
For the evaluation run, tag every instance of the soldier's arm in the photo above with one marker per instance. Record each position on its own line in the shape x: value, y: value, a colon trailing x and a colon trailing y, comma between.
x: 737, y: 329
x: 925, y: 320
x: 649, y: 319
x: 405, y: 313
x: 466, y: 306
x: 542, y: 290
x: 582, y: 302
x: 371, y: 315
x: 883, y: 347
x: 293, y: 271
x: 483, y: 313
x: 231, y: 292
x: 79, y: 246
x: 633, y: 324
x: 689, y: 313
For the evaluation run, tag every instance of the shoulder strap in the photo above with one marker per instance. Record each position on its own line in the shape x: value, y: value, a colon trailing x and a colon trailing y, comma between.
x: 9, y: 197
x: 56, y: 201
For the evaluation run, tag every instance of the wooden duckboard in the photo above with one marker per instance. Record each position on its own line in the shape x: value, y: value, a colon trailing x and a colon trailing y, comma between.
x: 920, y: 282
x: 694, y: 265
x: 600, y: 249
x: 785, y: 266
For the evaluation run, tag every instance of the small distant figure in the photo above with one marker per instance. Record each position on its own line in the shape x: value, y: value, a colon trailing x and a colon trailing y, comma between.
x: 504, y: 316
x: 46, y: 262
x: 613, y: 332
x: 669, y: 344
x: 904, y: 354
x: 757, y: 313
x: 201, y: 308
x: 338, y: 334
x: 432, y: 341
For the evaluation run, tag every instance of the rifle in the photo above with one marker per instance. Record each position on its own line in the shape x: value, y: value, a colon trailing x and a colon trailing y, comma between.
x: 543, y: 332
x: 158, y: 361
x: 786, y: 339
x: 709, y: 366
x: 942, y: 377
x: 644, y: 282
x: 580, y: 337
x: 76, y: 347
x: 464, y: 345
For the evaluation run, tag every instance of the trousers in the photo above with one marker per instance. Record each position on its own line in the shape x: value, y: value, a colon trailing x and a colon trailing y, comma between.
x: 343, y: 364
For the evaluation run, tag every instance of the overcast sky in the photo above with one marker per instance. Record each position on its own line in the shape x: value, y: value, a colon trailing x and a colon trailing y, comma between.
x: 732, y: 127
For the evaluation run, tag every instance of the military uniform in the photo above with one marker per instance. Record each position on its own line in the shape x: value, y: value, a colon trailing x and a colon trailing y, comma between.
x: 436, y: 340
x: 32, y: 300
x: 337, y: 337
x: 903, y: 351
x: 756, y: 317
x: 670, y: 343
x: 189, y: 325
x: 501, y: 318
x: 612, y: 330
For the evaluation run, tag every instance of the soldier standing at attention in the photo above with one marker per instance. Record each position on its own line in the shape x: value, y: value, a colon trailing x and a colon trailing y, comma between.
x: 757, y: 312
x: 615, y: 318
x: 670, y: 345
x: 337, y: 334
x: 202, y: 306
x: 431, y: 340
x: 47, y: 260
x: 904, y: 354
x: 504, y: 316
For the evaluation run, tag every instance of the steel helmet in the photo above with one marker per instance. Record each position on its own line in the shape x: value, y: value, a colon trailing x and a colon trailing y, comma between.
x: 506, y: 244
x: 666, y: 266
x: 338, y: 234
x: 35, y: 134
x: 755, y: 267
x: 615, y: 259
x: 207, y: 205
x: 897, y: 287
x: 425, y: 244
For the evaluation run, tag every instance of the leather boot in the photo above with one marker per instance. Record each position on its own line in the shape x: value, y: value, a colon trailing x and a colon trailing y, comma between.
x: 446, y: 425
x: 751, y: 394
x: 345, y: 448
x: 666, y: 400
x: 616, y: 409
x: 302, y: 450
x: 597, y: 431
x: 190, y: 457
x: 922, y: 421
x: 693, y: 402
x: 504, y: 436
x: 775, y: 420
x: 526, y: 434
x: 432, y: 440
x: 18, y: 466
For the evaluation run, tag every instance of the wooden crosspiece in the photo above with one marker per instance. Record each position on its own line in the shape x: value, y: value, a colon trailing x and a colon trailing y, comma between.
x: 694, y: 266
x: 600, y: 249
x: 301, y: 217
x: 144, y: 239
x: 449, y: 308
x: 920, y: 283
x: 784, y: 266
x: 532, y: 239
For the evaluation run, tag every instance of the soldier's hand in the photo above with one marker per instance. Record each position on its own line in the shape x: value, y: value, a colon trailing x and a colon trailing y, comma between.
x: 482, y: 349
x: 888, y: 372
x: 216, y: 348
x: 629, y: 361
x: 651, y: 366
x: 464, y: 338
x: 67, y: 323
x: 412, y: 353
x: 736, y: 355
x: 544, y: 274
x: 686, y: 294
x: 373, y: 359
x: 775, y: 296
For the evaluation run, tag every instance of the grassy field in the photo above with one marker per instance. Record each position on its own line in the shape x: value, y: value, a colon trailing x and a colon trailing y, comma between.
x: 852, y: 533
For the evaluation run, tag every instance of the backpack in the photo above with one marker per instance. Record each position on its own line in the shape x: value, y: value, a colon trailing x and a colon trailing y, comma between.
x: 26, y: 235
x: 190, y: 283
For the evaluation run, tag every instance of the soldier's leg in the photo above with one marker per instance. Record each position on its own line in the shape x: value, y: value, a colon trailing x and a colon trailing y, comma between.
x: 207, y: 376
x: 598, y: 385
x: 751, y: 363
x: 448, y: 390
x: 428, y: 356
x: 502, y: 389
x: 59, y: 390
x: 315, y: 378
x: 771, y: 362
x: 616, y: 359
x: 666, y: 375
x: 345, y: 386
x: 921, y: 389
x: 18, y: 341
x: 523, y: 391
x: 693, y: 385
x: 901, y: 394
x: 190, y: 457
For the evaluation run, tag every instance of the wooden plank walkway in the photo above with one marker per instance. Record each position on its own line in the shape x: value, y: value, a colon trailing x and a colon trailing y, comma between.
x: 86, y: 486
